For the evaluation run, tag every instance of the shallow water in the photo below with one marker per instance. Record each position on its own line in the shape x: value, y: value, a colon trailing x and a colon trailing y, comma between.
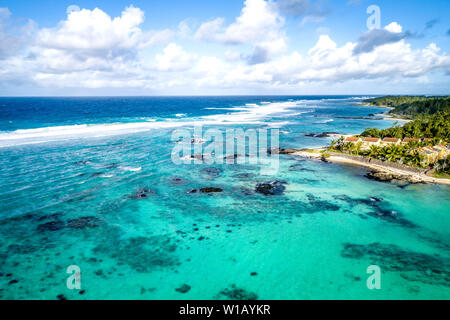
x: 74, y: 199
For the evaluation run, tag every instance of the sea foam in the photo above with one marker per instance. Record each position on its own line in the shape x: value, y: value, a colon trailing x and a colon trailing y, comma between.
x: 250, y: 114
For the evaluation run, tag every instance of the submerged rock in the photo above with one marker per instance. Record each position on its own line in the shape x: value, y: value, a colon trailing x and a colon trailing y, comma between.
x: 282, y: 151
x: 318, y: 205
x: 271, y: 188
x: 390, y: 177
x: 51, y: 226
x: 321, y: 135
x: 210, y: 190
x: 83, y: 223
x: 183, y: 289
x: 142, y: 194
x: 235, y: 293
x: 178, y: 181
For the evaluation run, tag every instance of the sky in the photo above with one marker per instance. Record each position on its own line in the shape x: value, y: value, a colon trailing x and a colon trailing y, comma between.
x: 233, y: 47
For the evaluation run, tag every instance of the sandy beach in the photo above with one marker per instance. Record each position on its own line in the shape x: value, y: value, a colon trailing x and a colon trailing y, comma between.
x: 410, y: 175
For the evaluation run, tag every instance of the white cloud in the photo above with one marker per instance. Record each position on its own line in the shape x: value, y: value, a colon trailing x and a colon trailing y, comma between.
x: 90, y: 49
x: 259, y: 24
x: 394, y: 27
x: 95, y: 31
x: 174, y: 58
x: 210, y: 30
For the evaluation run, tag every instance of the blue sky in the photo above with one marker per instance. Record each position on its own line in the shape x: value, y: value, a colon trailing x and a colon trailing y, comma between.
x: 223, y: 47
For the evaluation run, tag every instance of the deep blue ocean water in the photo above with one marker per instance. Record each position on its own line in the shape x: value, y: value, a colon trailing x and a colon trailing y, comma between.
x: 73, y: 171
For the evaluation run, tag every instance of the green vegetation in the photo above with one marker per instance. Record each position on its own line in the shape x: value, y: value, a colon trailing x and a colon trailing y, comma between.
x: 405, y: 154
x: 442, y: 175
x: 431, y: 121
x: 412, y: 107
x: 436, y: 126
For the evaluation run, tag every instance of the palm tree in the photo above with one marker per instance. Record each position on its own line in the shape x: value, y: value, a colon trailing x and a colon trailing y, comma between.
x: 374, y: 151
x: 357, y: 148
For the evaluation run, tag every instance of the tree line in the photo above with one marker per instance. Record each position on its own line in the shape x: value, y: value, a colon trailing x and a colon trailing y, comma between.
x: 413, y: 106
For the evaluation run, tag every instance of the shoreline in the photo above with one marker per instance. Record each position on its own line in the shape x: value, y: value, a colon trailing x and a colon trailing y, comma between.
x: 413, y: 177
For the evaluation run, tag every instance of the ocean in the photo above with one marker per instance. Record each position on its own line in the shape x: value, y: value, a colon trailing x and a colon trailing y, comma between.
x: 90, y: 182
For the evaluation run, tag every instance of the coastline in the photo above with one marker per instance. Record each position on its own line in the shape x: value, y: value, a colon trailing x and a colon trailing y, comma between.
x: 411, y: 176
x: 394, y: 118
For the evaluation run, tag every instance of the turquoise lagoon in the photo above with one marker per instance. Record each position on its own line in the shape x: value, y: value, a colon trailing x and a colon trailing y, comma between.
x: 73, y: 171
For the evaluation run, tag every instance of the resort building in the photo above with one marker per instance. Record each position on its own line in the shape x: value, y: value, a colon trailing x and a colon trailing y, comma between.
x: 391, y: 141
x: 372, y: 141
x: 408, y: 140
x: 353, y: 139
x: 369, y: 141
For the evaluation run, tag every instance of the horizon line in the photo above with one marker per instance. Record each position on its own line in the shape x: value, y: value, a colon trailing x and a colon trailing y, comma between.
x: 222, y: 95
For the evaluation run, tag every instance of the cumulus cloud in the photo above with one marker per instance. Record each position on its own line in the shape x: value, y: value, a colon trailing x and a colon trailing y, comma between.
x: 259, y: 24
x: 90, y: 49
x: 328, y: 62
x: 88, y: 41
x: 94, y: 32
x: 259, y: 20
x: 174, y: 58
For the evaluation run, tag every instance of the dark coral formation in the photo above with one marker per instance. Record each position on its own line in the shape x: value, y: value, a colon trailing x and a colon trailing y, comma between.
x: 321, y: 205
x: 84, y: 223
x: 415, y: 266
x: 235, y: 293
x: 141, y: 253
x: 183, y: 289
x: 271, y: 188
x: 379, y: 210
x: 79, y: 223
x: 55, y: 225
